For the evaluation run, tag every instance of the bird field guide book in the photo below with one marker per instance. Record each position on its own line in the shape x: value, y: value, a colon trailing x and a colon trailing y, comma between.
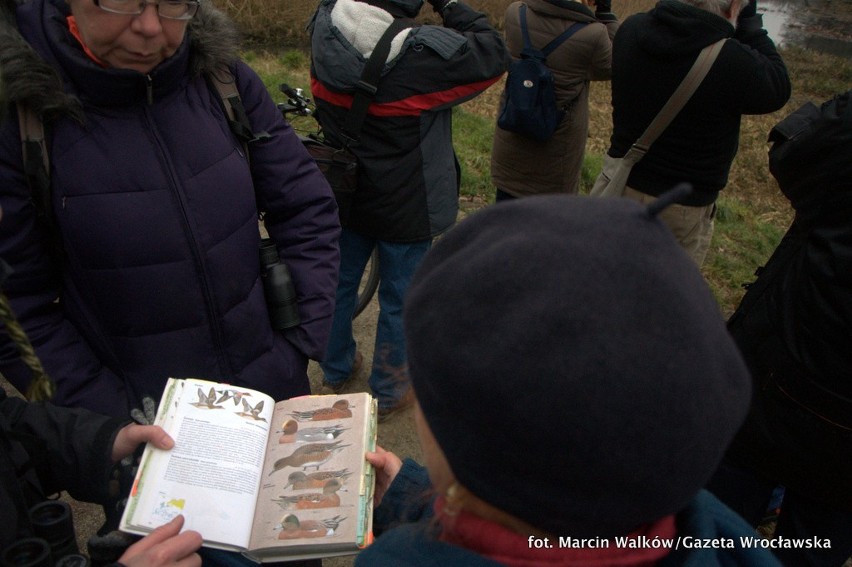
x: 274, y: 481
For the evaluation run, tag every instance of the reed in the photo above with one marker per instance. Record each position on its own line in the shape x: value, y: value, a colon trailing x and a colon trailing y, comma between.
x: 282, y: 23
x: 752, y: 215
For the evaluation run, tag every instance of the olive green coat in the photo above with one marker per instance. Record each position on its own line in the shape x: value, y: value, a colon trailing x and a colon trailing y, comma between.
x: 522, y: 166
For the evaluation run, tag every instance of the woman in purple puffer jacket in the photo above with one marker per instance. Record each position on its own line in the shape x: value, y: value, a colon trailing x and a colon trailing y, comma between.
x: 156, y: 206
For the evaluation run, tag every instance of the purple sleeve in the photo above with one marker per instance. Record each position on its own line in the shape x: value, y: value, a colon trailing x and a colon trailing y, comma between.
x: 301, y: 213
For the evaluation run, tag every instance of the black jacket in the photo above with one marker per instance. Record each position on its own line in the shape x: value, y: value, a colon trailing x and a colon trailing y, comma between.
x: 46, y: 449
x: 794, y: 325
x: 652, y: 52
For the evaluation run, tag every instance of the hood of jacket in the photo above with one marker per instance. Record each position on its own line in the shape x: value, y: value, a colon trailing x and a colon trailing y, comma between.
x: 673, y: 28
x: 40, y: 69
x: 566, y: 9
x: 349, y: 31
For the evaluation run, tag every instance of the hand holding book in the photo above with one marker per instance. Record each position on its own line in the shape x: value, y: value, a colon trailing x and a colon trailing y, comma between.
x: 386, y: 465
x: 273, y: 480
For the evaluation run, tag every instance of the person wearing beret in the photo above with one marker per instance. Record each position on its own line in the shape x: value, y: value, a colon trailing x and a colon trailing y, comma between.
x: 575, y: 386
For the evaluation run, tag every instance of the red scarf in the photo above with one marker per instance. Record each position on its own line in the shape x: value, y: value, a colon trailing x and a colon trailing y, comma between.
x: 513, y: 549
x: 75, y: 31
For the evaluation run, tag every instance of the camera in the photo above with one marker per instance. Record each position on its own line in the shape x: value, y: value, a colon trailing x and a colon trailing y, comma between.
x: 278, y: 288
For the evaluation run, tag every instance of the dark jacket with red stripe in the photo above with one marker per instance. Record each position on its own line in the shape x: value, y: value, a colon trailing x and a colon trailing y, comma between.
x: 409, y: 176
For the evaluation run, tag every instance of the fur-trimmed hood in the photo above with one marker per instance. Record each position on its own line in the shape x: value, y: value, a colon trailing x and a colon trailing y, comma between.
x: 212, y: 40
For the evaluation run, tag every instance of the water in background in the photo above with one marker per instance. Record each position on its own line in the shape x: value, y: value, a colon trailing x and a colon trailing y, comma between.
x: 821, y: 25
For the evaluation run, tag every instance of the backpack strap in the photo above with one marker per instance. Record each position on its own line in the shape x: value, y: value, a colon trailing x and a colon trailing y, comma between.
x: 36, y: 161
x: 560, y: 39
x: 369, y: 83
x: 225, y: 85
x: 553, y: 44
x: 37, y: 173
x: 522, y: 12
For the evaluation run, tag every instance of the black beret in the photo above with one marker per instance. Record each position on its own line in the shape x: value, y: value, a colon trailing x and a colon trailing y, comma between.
x: 573, y: 364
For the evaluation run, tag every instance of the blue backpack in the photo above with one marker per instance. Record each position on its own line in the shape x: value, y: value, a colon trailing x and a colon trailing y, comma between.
x: 529, y: 106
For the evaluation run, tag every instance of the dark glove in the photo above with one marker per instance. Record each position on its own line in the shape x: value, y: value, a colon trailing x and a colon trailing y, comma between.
x: 749, y: 11
x: 109, y: 543
x: 440, y: 5
x: 749, y: 22
x: 603, y: 12
x: 108, y: 547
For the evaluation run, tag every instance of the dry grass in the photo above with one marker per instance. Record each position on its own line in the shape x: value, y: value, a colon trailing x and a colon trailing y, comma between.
x: 753, y: 214
x: 281, y: 23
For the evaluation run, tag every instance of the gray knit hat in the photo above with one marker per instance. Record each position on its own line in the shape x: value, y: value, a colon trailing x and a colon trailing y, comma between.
x: 573, y: 364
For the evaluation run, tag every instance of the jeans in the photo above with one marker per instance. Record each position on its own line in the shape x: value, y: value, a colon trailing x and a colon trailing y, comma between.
x: 389, y: 379
x: 800, y: 518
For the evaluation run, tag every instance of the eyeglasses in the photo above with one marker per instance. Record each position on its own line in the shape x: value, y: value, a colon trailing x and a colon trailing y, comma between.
x: 169, y: 9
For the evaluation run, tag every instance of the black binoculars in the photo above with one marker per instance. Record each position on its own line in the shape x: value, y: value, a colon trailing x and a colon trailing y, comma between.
x: 278, y: 288
x: 54, y: 543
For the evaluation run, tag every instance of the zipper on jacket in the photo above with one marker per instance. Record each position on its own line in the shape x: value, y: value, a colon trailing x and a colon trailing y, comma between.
x: 149, y: 89
x: 175, y: 185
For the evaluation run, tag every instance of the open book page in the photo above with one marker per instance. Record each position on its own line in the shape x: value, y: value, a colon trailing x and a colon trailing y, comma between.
x: 317, y: 487
x: 212, y: 474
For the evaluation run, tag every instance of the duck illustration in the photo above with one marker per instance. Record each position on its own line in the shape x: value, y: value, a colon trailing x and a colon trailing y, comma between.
x: 292, y: 528
x: 290, y: 433
x: 236, y: 395
x: 252, y: 412
x: 328, y: 498
x: 338, y: 410
x: 310, y: 455
x: 206, y: 401
x: 300, y: 480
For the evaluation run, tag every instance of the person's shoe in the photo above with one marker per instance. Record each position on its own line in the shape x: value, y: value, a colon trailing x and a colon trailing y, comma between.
x: 406, y: 402
x: 357, y: 367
